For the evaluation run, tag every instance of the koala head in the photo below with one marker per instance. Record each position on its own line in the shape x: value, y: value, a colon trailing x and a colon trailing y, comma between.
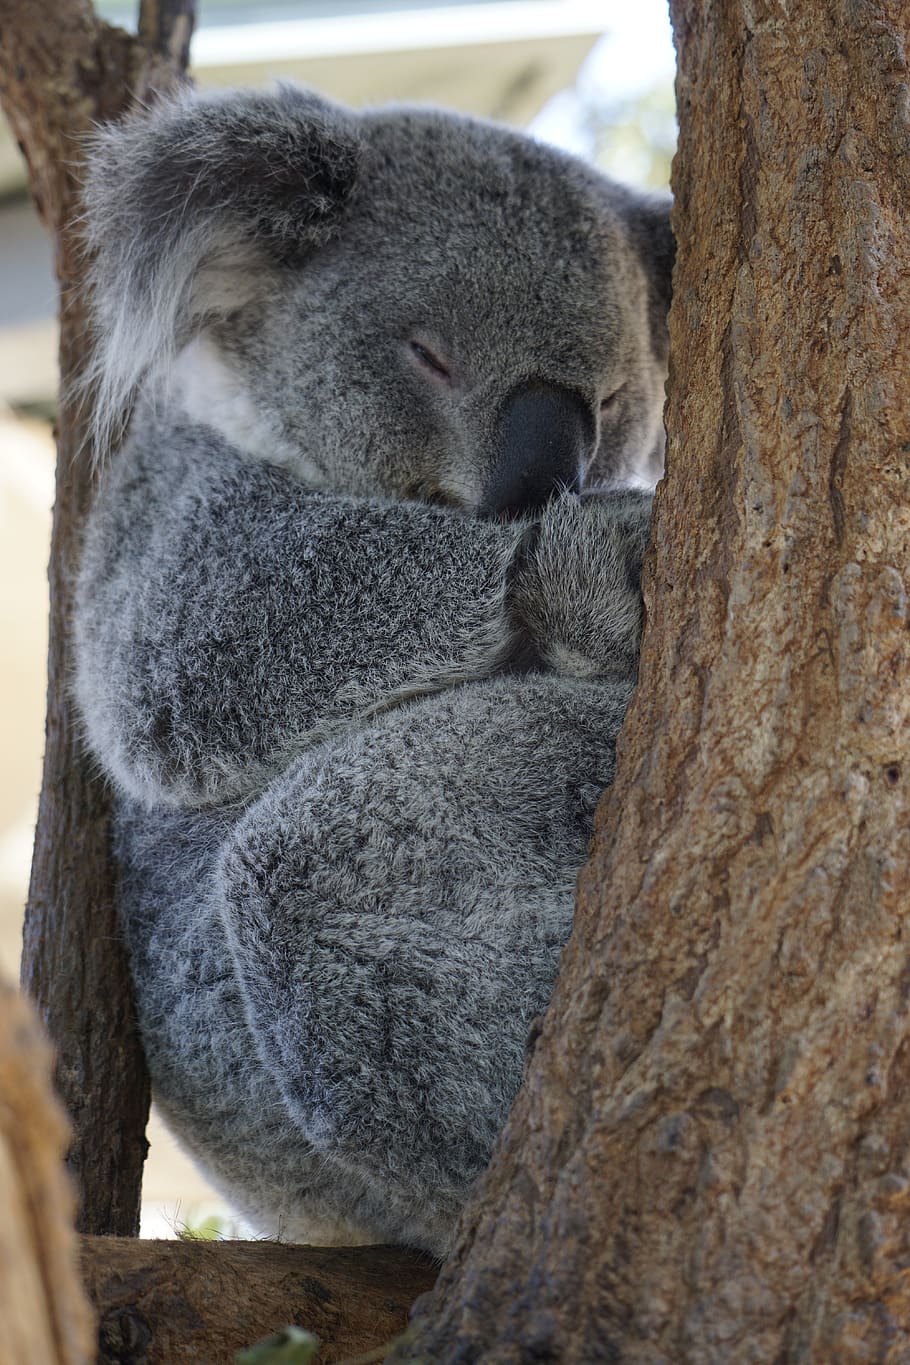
x: 402, y: 302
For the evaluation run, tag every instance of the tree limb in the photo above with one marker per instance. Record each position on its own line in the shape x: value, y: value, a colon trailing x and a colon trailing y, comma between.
x: 52, y: 88
x: 189, y: 1301
x: 166, y: 26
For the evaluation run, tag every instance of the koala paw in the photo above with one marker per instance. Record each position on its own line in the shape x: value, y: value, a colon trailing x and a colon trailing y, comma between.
x: 575, y: 588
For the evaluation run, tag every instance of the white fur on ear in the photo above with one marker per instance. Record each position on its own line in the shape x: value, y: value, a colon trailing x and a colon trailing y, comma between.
x: 190, y: 209
x: 142, y: 320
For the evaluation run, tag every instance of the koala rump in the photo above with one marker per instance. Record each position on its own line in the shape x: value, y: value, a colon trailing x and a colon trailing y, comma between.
x: 357, y: 619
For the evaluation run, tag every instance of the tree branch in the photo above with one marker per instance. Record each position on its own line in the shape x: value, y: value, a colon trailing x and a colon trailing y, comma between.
x: 52, y: 88
x: 166, y: 26
x: 203, y: 1301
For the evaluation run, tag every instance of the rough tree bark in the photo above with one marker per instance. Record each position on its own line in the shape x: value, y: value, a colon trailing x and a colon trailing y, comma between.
x: 709, y: 1158
x: 61, y: 71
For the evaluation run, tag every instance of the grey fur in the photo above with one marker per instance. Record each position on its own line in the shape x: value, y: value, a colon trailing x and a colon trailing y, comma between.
x: 357, y: 729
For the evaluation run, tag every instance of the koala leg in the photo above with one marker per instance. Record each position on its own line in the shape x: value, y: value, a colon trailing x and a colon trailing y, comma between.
x: 218, y: 1098
x: 396, y: 905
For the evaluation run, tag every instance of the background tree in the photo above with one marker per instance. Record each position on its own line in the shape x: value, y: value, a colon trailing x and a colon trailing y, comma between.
x: 708, y: 1160
x: 61, y: 71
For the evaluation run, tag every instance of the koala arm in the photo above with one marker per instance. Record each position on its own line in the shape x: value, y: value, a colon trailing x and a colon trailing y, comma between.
x: 575, y: 591
x: 227, y: 617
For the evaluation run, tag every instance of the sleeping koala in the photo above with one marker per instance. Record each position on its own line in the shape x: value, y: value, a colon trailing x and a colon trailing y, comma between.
x: 354, y: 637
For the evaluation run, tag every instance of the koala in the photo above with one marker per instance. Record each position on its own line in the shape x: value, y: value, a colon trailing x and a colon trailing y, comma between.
x: 357, y: 620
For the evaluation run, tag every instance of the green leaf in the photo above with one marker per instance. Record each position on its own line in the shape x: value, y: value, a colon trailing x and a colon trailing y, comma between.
x: 292, y: 1346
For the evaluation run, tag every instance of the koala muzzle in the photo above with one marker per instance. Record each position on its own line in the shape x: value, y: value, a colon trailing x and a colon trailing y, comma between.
x: 544, y: 436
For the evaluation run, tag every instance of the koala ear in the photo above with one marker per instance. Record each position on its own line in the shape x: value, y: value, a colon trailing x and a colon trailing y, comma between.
x: 652, y: 236
x: 191, y: 207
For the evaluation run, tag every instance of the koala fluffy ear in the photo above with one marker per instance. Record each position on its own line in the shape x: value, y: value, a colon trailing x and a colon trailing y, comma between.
x: 652, y: 235
x: 189, y: 207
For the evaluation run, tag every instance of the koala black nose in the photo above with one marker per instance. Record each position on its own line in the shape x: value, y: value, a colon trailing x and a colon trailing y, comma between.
x: 543, y: 435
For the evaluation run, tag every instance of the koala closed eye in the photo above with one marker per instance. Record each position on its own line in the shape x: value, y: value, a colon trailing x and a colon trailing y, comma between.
x: 431, y: 362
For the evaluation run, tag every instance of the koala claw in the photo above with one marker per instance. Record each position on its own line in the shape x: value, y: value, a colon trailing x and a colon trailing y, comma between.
x: 575, y: 593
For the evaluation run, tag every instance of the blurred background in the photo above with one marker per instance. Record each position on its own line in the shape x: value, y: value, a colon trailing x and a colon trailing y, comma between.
x: 592, y: 76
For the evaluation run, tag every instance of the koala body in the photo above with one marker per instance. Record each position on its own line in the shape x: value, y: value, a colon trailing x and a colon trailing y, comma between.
x: 353, y: 646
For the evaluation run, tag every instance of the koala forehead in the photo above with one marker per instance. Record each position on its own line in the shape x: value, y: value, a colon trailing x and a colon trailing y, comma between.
x: 420, y: 166
x: 502, y: 248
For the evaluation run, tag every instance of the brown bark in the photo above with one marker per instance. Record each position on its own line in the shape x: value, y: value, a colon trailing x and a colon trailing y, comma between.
x: 195, y: 1303
x: 166, y: 27
x: 44, y: 1316
x: 61, y: 71
x: 709, y: 1159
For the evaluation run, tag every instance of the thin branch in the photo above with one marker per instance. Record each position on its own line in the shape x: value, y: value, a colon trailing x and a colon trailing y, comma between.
x: 166, y: 26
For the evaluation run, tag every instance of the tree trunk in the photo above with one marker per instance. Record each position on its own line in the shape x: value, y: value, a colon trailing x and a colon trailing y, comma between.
x: 61, y: 71
x: 44, y: 1317
x: 709, y: 1159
